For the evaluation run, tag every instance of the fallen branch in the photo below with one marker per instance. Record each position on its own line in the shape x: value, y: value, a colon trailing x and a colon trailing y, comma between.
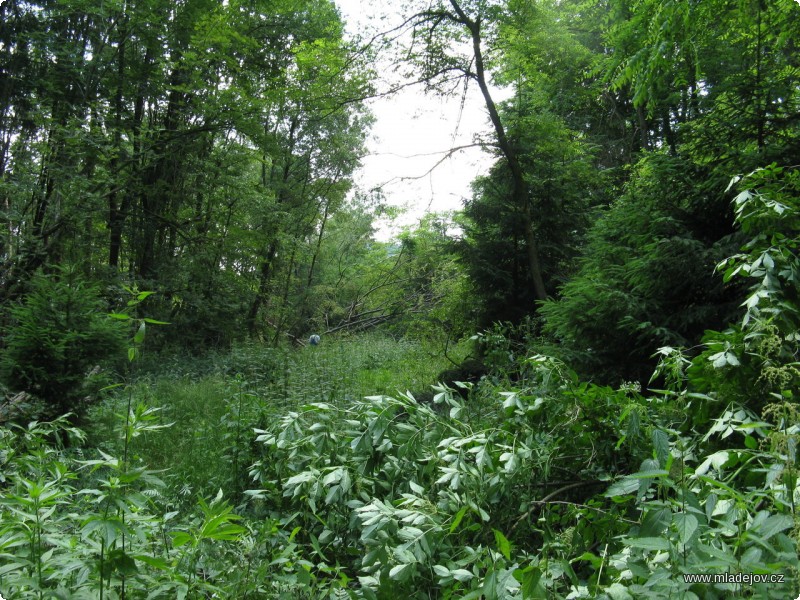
x: 538, y: 504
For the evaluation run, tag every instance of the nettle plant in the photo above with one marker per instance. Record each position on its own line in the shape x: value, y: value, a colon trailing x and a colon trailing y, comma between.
x: 77, y: 528
x: 72, y: 528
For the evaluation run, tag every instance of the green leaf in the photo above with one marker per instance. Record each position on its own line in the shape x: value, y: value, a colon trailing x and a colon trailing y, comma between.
x: 110, y: 529
x: 661, y: 445
x: 294, y: 533
x: 655, y: 473
x: 13, y: 566
x: 122, y: 563
x: 655, y: 521
x: 617, y: 591
x: 731, y: 359
x: 180, y: 538
x: 441, y: 571
x: 401, y: 572
x: 503, y: 545
x: 623, y: 487
x: 774, y: 524
x: 686, y: 526
x: 647, y: 543
x: 316, y: 546
x: 153, y: 561
x: 711, y: 503
x: 725, y: 557
x: 490, y: 586
x: 717, y: 460
x: 139, y: 337
x: 457, y: 519
x: 718, y: 360
x: 531, y: 588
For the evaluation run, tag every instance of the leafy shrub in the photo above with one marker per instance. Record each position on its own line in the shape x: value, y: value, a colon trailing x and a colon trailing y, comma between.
x: 91, y: 526
x: 404, y: 497
x: 645, y: 277
x: 60, y: 333
x: 725, y: 502
x: 760, y: 356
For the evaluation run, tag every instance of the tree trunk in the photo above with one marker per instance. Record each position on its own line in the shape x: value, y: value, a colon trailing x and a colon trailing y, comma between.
x: 263, y: 287
x: 115, y: 216
x: 520, y: 189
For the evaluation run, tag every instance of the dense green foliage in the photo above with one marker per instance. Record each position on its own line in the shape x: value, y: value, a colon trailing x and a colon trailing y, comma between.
x: 59, y: 339
x: 537, y: 486
x: 197, y: 149
x: 179, y: 176
x: 667, y: 101
x: 644, y: 280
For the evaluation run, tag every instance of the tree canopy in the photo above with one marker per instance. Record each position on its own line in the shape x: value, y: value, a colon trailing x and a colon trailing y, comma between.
x: 197, y: 148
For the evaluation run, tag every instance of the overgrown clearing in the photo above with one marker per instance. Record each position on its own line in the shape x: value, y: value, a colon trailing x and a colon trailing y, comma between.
x: 215, y: 382
x: 212, y: 404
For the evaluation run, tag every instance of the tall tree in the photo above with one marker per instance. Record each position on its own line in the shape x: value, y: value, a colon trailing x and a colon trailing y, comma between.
x: 715, y: 85
x: 552, y: 122
x: 439, y: 28
x: 177, y: 144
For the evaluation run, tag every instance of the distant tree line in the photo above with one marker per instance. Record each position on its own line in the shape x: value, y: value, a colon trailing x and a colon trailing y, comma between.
x: 200, y: 149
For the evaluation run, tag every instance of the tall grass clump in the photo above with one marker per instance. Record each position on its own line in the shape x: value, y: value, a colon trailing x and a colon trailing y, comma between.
x: 212, y: 417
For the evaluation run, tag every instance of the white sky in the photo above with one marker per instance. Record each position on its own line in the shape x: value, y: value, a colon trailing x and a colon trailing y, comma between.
x: 412, y: 132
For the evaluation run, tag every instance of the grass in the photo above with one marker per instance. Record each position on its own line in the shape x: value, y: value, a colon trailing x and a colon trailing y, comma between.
x: 215, y: 401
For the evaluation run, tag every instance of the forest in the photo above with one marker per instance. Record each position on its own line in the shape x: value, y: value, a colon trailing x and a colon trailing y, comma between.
x: 583, y: 383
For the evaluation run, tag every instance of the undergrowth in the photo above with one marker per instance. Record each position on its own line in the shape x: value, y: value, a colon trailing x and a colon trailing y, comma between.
x: 272, y: 476
x: 216, y: 403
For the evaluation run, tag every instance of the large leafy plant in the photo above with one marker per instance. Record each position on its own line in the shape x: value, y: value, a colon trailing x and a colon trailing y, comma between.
x: 93, y: 528
x: 724, y: 503
x: 759, y: 357
x: 452, y: 496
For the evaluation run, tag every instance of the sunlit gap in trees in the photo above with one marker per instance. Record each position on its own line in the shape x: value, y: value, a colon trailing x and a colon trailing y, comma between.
x: 425, y: 149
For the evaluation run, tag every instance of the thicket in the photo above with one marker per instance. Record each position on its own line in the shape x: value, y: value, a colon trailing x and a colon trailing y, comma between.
x: 204, y: 151
x: 629, y: 120
x: 539, y: 485
x: 643, y: 280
